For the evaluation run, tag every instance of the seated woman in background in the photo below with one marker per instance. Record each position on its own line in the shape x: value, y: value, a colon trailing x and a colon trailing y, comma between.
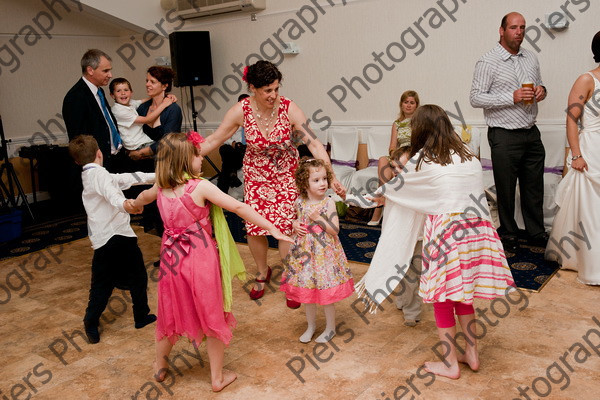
x: 400, y: 136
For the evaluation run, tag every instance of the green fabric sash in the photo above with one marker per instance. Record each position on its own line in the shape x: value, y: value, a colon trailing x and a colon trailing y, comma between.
x: 231, y: 262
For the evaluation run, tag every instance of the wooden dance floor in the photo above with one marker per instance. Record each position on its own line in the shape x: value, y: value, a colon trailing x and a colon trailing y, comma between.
x: 547, y: 343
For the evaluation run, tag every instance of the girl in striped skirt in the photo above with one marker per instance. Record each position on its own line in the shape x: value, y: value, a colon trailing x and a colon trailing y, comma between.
x: 440, y: 189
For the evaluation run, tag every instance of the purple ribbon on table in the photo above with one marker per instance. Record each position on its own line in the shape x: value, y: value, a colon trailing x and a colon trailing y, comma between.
x: 486, y: 164
x: 553, y: 170
x: 345, y: 163
x: 373, y: 163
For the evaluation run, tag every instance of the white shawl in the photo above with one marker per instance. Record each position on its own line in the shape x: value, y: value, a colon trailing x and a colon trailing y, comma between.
x: 410, y: 196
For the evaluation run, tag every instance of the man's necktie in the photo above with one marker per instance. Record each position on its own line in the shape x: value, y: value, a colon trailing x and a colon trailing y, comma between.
x: 116, y: 138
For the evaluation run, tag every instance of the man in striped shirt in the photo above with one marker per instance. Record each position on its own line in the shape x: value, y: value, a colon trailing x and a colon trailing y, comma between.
x: 517, y: 149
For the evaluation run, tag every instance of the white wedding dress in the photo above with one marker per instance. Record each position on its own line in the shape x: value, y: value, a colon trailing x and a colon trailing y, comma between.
x: 575, y: 238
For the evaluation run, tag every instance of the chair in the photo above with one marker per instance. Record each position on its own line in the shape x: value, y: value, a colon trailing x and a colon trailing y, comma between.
x: 471, y: 136
x: 344, y: 146
x: 366, y: 180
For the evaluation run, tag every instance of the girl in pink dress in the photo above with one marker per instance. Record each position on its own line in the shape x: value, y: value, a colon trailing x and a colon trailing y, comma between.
x: 191, y: 300
x: 316, y: 271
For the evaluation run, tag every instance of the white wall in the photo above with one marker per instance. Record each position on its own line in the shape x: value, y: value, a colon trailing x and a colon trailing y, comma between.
x: 346, y: 36
x: 37, y: 68
x: 341, y: 46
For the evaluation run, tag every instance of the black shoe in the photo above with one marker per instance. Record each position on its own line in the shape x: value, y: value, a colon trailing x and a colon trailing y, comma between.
x: 91, y: 331
x: 157, y: 263
x: 539, y: 240
x: 148, y: 319
x: 510, y: 243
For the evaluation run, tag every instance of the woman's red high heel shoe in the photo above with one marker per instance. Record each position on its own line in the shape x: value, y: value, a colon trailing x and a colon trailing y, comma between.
x: 257, y: 294
x: 293, y: 304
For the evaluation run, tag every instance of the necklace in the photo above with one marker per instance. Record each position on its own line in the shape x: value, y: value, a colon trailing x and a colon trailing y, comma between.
x: 265, y: 121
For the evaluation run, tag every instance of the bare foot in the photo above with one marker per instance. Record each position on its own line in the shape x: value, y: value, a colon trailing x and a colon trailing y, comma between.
x: 439, y: 368
x: 471, y: 359
x: 228, y: 377
x: 159, y: 373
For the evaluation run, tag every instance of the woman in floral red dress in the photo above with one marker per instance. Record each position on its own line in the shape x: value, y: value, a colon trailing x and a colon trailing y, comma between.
x: 270, y: 161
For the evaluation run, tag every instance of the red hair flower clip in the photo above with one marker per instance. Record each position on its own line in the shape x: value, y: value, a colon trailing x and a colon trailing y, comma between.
x: 245, y: 75
x: 195, y: 138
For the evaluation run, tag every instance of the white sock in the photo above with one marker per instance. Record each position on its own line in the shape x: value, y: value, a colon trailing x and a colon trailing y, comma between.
x: 311, y: 316
x: 325, y: 336
x: 329, y: 331
x: 308, y: 334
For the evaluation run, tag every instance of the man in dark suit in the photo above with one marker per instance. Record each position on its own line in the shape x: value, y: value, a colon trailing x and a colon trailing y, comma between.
x: 86, y: 111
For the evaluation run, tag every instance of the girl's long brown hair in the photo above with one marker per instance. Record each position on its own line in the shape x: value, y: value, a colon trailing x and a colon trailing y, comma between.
x: 433, y: 133
x: 174, y: 161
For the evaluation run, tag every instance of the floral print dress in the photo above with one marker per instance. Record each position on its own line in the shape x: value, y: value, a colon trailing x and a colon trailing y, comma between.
x: 403, y: 132
x: 269, y: 166
x: 316, y: 268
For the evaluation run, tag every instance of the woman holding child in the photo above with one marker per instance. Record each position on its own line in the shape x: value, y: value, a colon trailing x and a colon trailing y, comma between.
x: 271, y: 158
x: 159, y: 82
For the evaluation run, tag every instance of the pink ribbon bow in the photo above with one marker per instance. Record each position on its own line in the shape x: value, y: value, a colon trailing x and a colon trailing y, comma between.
x: 195, y: 138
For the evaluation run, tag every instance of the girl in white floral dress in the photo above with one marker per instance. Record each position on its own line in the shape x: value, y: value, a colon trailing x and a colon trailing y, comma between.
x: 317, y: 270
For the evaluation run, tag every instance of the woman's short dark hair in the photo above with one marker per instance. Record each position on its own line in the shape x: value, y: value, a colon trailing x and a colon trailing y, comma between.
x: 596, y: 47
x: 162, y: 74
x: 262, y: 73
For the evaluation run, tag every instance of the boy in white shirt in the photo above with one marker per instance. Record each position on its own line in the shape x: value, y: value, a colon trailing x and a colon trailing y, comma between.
x: 125, y: 112
x: 117, y: 260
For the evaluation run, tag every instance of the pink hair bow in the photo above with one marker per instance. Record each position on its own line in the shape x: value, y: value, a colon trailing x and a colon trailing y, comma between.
x: 195, y: 138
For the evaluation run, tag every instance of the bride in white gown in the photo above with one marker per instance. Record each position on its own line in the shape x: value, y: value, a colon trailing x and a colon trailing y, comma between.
x: 575, y: 238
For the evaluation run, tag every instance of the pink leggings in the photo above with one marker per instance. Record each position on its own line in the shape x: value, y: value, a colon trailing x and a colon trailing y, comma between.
x: 444, y: 312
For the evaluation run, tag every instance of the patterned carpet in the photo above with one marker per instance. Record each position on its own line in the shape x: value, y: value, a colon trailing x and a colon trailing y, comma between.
x: 40, y: 236
x: 358, y: 240
x: 528, y: 266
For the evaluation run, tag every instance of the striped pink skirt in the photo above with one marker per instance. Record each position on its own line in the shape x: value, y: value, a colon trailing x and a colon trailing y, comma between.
x: 463, y: 258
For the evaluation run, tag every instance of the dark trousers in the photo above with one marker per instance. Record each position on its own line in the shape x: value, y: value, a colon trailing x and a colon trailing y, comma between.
x: 518, y: 154
x: 232, y: 159
x: 119, y: 263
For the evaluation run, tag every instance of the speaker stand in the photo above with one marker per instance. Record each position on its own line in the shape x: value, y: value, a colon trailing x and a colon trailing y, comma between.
x: 194, y: 115
x: 7, y: 192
